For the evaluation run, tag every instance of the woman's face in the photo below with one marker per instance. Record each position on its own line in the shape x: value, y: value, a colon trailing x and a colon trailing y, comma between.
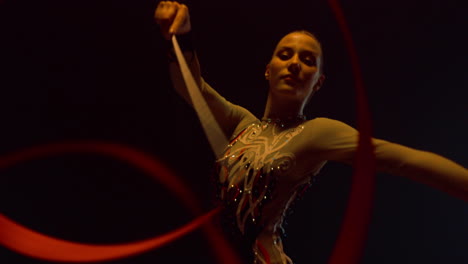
x: 293, y: 71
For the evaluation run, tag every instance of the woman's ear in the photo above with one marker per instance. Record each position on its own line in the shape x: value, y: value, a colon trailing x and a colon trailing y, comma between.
x: 267, y: 72
x: 319, y: 83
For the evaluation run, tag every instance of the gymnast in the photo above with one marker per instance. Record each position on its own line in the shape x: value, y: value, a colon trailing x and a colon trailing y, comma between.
x: 269, y: 160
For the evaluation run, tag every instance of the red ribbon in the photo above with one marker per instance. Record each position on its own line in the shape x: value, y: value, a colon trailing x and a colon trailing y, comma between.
x: 28, y: 242
x: 351, y: 240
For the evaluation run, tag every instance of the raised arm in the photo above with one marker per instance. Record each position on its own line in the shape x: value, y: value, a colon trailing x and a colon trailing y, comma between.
x: 174, y: 19
x: 338, y: 141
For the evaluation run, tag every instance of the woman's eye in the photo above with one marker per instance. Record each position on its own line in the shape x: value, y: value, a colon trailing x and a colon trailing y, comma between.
x: 283, y: 56
x: 309, y: 61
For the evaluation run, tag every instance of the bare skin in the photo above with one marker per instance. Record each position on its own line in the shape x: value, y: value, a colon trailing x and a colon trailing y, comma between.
x: 293, y: 75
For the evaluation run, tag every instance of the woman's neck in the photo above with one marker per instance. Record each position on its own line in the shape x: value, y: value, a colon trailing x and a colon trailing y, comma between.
x: 280, y: 110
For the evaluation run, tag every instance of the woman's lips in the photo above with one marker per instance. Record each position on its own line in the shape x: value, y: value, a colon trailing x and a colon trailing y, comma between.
x: 290, y: 79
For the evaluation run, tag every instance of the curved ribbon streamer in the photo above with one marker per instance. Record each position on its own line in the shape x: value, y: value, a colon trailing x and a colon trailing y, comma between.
x: 351, y: 240
x: 33, y: 244
x: 144, y: 162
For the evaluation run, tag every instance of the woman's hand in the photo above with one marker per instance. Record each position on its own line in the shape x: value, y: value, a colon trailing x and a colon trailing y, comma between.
x: 173, y: 18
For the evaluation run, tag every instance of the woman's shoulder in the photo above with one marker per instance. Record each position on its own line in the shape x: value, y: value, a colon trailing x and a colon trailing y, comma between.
x: 327, y: 124
x: 327, y: 132
x: 333, y: 139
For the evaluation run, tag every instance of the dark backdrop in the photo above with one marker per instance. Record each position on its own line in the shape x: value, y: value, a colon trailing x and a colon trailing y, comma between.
x: 73, y: 70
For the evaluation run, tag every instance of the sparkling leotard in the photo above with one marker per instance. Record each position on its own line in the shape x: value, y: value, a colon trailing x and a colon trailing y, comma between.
x: 253, y: 165
x: 266, y: 164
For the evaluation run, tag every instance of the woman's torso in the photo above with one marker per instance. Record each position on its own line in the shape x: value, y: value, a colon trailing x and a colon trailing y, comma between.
x: 260, y: 174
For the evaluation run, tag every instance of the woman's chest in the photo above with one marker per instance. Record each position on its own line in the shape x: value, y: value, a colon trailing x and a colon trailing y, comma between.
x: 264, y: 150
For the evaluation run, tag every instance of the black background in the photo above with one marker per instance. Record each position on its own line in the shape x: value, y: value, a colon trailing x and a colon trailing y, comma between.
x: 78, y: 70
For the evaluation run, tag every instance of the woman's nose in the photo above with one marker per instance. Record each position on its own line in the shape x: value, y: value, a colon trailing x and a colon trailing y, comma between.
x: 294, y: 66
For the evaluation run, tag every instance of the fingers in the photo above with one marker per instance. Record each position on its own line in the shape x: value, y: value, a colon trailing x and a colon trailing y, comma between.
x: 180, y: 21
x: 172, y: 17
x: 165, y: 12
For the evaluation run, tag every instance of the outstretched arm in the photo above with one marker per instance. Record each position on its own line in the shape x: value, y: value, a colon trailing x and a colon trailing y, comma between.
x: 174, y: 19
x: 422, y: 166
x: 334, y: 140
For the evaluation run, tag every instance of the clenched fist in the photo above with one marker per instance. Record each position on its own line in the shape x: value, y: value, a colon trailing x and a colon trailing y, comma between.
x: 173, y: 18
